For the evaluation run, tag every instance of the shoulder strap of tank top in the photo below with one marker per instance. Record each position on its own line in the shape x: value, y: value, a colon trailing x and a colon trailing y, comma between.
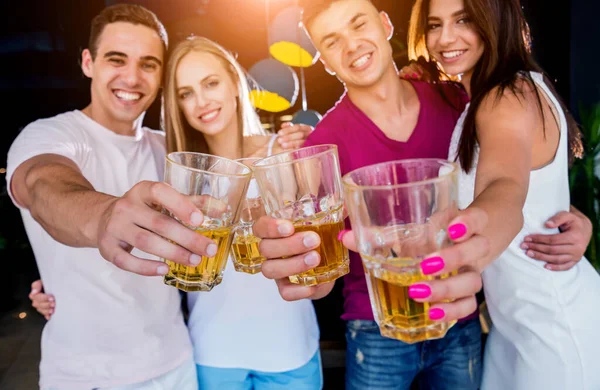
x: 563, y: 128
x: 561, y: 150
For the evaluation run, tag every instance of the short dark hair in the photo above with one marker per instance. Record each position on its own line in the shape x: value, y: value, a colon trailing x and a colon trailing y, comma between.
x: 128, y: 13
x: 312, y: 8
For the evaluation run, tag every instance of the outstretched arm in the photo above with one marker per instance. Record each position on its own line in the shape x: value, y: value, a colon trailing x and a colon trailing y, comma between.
x: 68, y: 207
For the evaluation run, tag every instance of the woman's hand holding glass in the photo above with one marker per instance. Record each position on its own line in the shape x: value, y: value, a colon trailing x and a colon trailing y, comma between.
x: 453, y: 298
x: 290, y: 253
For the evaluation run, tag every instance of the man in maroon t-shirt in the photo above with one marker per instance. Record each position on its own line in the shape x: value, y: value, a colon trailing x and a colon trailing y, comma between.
x: 383, y: 118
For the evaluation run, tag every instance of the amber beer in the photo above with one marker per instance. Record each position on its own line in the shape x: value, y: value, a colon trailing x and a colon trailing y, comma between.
x: 400, y: 211
x: 216, y: 186
x: 246, y: 257
x: 399, y: 316
x: 303, y: 186
x: 209, y: 272
x: 334, y: 256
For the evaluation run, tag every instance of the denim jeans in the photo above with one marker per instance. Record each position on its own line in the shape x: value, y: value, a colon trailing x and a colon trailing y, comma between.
x: 377, y: 362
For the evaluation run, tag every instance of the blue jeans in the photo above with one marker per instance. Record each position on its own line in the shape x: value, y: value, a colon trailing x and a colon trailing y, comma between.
x: 377, y: 362
x: 307, y: 377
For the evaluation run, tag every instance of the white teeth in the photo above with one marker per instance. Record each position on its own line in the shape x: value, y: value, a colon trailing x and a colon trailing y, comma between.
x: 129, y: 96
x: 452, y: 54
x: 361, y: 61
x: 210, y: 115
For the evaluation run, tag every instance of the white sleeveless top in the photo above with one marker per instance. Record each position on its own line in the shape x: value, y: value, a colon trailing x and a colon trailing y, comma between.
x: 546, y: 324
x: 244, y: 323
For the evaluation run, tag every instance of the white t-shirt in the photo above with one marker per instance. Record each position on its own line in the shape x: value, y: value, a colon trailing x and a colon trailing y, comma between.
x: 244, y: 323
x: 110, y: 327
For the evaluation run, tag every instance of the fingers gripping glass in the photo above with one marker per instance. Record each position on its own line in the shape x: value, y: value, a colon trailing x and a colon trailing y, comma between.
x: 399, y: 212
x: 216, y: 186
x: 304, y: 186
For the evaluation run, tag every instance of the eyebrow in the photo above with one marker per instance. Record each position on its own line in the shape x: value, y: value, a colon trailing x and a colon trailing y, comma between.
x: 354, y: 19
x: 205, y: 78
x: 123, y: 55
x: 455, y: 14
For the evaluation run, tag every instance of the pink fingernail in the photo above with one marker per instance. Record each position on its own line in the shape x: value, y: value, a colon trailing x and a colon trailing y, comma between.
x: 196, y: 218
x: 457, y: 230
x: 162, y: 270
x: 311, y: 240
x: 342, y: 234
x: 285, y: 228
x: 524, y: 246
x: 436, y: 313
x: 432, y: 265
x: 195, y: 259
x: 211, y: 250
x: 419, y: 291
x: 312, y: 259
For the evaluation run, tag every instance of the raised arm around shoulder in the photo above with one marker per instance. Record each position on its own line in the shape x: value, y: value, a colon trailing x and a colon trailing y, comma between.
x: 506, y: 130
x: 59, y: 198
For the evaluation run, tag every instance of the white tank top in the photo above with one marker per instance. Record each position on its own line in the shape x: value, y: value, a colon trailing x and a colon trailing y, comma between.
x: 244, y: 323
x: 550, y: 179
x: 545, y: 325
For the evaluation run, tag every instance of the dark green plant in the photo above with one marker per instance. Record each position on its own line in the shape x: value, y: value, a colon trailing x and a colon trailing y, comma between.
x: 584, y: 182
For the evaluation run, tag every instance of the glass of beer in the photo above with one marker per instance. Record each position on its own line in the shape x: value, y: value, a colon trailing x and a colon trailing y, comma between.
x: 399, y: 212
x: 246, y: 256
x: 217, y: 186
x: 304, y: 186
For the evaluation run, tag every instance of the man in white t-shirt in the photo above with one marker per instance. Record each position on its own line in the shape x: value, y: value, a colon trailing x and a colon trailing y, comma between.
x: 88, y: 186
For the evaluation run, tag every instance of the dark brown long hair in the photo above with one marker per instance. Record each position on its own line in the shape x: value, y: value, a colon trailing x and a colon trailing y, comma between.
x: 506, y: 60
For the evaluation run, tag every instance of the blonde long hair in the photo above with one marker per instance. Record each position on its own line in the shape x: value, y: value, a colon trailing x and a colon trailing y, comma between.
x: 180, y: 135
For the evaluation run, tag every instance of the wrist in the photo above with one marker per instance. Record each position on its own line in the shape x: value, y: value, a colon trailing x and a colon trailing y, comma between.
x: 98, y: 220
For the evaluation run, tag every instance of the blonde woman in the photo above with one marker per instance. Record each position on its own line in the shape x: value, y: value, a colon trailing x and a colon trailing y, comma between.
x: 245, y: 336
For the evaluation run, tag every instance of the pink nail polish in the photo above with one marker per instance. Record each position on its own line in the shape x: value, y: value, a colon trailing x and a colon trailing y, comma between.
x: 457, y: 230
x: 436, y: 313
x: 419, y: 291
x: 341, y: 234
x: 432, y: 265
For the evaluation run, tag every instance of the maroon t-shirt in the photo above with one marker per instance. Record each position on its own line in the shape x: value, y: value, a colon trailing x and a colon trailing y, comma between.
x: 360, y: 143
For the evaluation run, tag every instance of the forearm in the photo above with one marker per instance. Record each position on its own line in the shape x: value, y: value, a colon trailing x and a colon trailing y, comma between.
x: 65, y: 204
x: 503, y: 201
